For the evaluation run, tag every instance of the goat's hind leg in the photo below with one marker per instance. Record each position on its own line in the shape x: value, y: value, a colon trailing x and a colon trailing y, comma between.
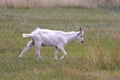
x: 28, y: 46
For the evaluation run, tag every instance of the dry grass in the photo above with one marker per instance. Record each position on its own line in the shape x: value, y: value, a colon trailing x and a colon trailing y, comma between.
x: 59, y: 3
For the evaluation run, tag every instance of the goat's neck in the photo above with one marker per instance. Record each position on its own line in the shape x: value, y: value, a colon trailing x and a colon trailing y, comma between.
x: 71, y: 36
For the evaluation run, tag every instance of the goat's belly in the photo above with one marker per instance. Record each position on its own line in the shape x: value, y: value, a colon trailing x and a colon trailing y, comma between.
x: 48, y: 44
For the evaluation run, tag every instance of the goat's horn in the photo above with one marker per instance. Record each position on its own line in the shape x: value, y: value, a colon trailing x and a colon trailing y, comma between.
x: 80, y: 29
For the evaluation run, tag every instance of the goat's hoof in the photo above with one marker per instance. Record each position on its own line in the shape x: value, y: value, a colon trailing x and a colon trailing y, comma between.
x: 19, y: 57
x: 62, y: 58
x: 40, y: 59
x: 55, y: 58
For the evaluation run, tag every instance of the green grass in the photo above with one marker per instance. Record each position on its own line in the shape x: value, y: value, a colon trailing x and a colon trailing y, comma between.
x: 96, y: 59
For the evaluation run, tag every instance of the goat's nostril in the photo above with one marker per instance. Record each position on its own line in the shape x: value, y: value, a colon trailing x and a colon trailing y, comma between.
x: 82, y: 41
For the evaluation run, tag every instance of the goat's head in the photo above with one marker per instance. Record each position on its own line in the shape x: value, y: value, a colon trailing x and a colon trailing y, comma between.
x: 80, y: 36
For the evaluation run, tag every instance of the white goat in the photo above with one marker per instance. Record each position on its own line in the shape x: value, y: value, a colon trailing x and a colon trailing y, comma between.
x: 45, y: 37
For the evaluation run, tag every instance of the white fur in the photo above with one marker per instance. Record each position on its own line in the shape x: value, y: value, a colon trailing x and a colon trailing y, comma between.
x: 26, y: 35
x: 54, y: 38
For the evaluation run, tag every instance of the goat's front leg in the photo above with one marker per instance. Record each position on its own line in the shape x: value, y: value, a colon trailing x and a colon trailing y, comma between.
x: 29, y: 45
x: 56, y: 52
x: 64, y: 52
x: 38, y: 46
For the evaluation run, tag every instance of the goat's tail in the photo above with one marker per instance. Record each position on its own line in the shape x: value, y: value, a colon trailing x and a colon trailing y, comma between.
x: 26, y: 35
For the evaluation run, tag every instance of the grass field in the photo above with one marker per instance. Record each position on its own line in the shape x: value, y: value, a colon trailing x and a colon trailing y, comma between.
x: 98, y: 58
